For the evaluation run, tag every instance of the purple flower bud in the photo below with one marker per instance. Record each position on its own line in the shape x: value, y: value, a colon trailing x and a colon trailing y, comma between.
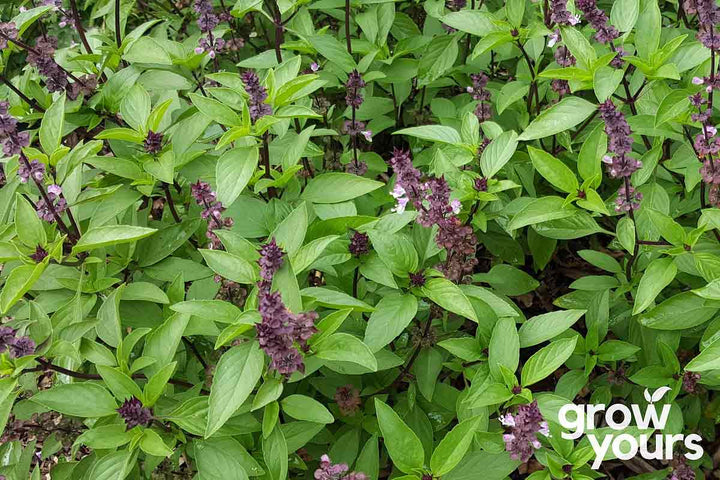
x: 39, y: 255
x: 153, y: 142
x: 332, y: 471
x: 7, y: 29
x: 690, y: 381
x: 522, y: 440
x: 604, y: 32
x: 7, y: 336
x: 359, y: 244
x: 21, y: 347
x: 256, y: 103
x: 354, y: 83
x: 417, y: 279
x: 270, y: 261
x: 627, y: 200
x: 36, y: 171
x: 348, y: 400
x: 134, y: 413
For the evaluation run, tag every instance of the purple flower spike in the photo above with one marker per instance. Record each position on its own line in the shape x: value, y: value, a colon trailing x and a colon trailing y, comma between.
x: 134, y: 413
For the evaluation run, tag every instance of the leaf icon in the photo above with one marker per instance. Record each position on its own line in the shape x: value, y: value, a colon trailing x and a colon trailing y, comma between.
x: 658, y: 394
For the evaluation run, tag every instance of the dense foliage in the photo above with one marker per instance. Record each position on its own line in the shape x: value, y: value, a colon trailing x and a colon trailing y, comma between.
x: 354, y: 239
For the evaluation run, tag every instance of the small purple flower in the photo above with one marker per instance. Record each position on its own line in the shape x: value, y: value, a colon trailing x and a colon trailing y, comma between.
x: 681, y: 470
x: 9, y: 30
x: 42, y: 58
x: 21, y: 347
x: 45, y: 211
x: 209, y: 46
x: 417, y: 279
x: 354, y: 83
x: 481, y: 184
x: 627, y: 201
x: 134, y: 413
x: 690, y: 381
x: 479, y: 92
x: 36, y: 171
x: 353, y: 129
x: 560, y: 13
x: 153, y: 142
x: 15, y: 142
x: 7, y: 336
x: 271, y: 259
x: 207, y: 20
x: 356, y: 168
x: 563, y: 57
x: 604, y: 32
x: 314, y: 67
x: 257, y: 93
x: 348, y: 400
x: 521, y: 440
x: 212, y: 211
x: 39, y: 255
x: 336, y: 471
x: 359, y: 244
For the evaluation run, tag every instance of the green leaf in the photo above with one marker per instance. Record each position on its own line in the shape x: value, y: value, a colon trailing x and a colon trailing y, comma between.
x: 579, y: 46
x: 329, y: 47
x: 301, y: 407
x: 564, y: 115
x: 233, y: 171
x: 546, y: 326
x: 402, y: 444
x: 237, y: 372
x: 647, y: 33
x: 432, y: 133
x: 453, y: 447
x: 605, y: 82
x: 681, y: 311
x: 673, y: 105
x: 290, y: 233
x: 217, y: 311
x: 111, y: 235
x: 166, y: 241
x: 221, y: 459
x: 438, y: 58
x: 343, y: 347
x: 335, y: 299
x: 338, y: 187
x: 396, y: 251
x: 449, y: 296
x: 122, y: 386
x: 541, y: 210
x: 109, y: 327
x: 554, y: 171
x: 215, y: 110
x: 504, y: 347
x: 591, y: 154
x: 510, y: 93
x: 51, y: 125
x: 624, y: 14
x: 508, y: 280
x: 18, y: 283
x: 546, y: 360
x: 28, y: 225
x: 498, y: 153
x: 657, y: 276
x: 230, y: 266
x: 393, y: 313
x: 152, y: 444
x: 707, y: 359
x: 85, y: 400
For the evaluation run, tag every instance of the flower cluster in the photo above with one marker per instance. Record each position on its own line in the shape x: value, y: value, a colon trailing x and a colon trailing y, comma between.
x: 356, y: 128
x: 212, y: 211
x: 619, y: 142
x: 56, y: 204
x: 12, y: 140
x: 432, y: 200
x: 521, y: 440
x: 206, y: 20
x: 41, y: 57
x: 348, y: 400
x: 359, y: 244
x: 627, y: 199
x: 336, y: 471
x: 153, y: 142
x: 16, y: 346
x: 280, y: 330
x: 8, y: 30
x: 211, y: 46
x: 39, y: 255
x: 353, y: 96
x: 604, y: 32
x: 564, y: 58
x: 708, y: 15
x: 479, y: 92
x: 681, y: 470
x: 560, y: 13
x: 134, y: 413
x: 33, y: 169
x: 258, y: 94
x: 690, y: 382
